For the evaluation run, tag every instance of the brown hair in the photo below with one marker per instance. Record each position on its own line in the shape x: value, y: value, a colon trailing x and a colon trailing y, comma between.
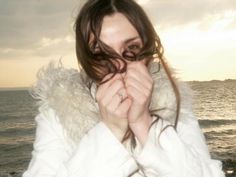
x: 88, y: 27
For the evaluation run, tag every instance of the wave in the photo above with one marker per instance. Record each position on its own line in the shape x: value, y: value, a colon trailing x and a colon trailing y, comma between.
x: 15, y: 132
x: 206, y: 123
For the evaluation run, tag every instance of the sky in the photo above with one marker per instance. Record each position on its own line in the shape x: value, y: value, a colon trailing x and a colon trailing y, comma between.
x: 199, y: 37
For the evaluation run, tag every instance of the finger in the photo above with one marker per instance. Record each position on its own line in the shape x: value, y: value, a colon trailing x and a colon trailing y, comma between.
x: 109, y: 93
x: 124, y: 107
x: 140, y: 68
x: 141, y: 87
x: 139, y: 74
x: 106, y: 85
x: 117, y: 100
x: 146, y: 82
x: 136, y: 95
x: 103, y: 86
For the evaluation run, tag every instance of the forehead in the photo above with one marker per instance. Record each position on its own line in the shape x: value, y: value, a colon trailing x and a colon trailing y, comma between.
x: 116, y: 29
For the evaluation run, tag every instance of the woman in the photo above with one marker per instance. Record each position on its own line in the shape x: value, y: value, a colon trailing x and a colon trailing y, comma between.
x: 121, y: 115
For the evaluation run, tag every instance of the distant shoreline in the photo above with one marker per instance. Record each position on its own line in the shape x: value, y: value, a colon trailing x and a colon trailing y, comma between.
x: 225, y: 80
x: 13, y: 88
x: 193, y: 81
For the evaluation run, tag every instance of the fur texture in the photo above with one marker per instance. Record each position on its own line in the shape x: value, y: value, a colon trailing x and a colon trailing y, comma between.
x: 66, y: 91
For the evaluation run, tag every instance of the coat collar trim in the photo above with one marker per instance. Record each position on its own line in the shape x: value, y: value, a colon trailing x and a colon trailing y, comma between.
x: 66, y: 91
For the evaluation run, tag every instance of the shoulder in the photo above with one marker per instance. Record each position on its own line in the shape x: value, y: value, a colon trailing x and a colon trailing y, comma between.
x: 65, y: 93
x: 49, y: 130
x: 54, y: 82
x: 164, y: 94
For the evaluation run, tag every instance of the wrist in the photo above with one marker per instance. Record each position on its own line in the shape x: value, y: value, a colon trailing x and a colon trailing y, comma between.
x: 140, y: 128
x: 117, y: 131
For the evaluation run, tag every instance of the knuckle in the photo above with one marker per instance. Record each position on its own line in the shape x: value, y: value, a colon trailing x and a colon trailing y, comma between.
x: 117, y: 76
x: 142, y: 99
x: 109, y: 109
x: 151, y: 80
x: 119, y: 113
x: 119, y: 83
x: 147, y: 93
x: 149, y: 87
x: 97, y: 96
x: 127, y: 79
x: 128, y: 88
x: 139, y: 64
x: 102, y: 103
x: 107, y: 77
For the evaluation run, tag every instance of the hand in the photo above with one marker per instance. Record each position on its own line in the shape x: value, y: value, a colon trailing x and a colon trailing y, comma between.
x: 139, y: 85
x: 114, y: 111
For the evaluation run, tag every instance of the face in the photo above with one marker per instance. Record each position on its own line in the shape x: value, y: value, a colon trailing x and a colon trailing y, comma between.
x: 118, y: 33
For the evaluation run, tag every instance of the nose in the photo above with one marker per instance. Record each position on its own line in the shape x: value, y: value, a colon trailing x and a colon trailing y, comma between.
x: 120, y: 64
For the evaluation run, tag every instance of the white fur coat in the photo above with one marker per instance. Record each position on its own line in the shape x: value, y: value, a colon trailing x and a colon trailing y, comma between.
x: 66, y: 91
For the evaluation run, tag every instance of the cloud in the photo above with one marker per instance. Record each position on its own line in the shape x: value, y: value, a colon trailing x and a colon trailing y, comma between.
x: 195, y: 33
x: 55, y: 46
x: 175, y: 12
x: 45, y: 47
x: 40, y: 27
x: 23, y: 23
x: 45, y: 41
x: 142, y: 2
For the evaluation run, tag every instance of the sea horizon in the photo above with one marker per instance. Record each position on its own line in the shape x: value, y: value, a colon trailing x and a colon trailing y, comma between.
x: 190, y: 81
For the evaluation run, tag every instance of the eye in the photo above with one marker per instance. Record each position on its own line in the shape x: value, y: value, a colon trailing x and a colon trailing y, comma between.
x: 134, y: 47
x: 131, y: 50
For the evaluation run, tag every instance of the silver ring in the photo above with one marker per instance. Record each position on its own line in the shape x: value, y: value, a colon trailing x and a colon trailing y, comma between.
x: 120, y: 95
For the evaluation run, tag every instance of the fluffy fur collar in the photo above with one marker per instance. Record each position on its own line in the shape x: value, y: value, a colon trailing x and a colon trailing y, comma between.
x: 67, y: 92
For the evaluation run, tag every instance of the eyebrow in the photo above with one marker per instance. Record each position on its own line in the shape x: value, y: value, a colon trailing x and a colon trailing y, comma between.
x: 125, y: 41
x: 131, y: 39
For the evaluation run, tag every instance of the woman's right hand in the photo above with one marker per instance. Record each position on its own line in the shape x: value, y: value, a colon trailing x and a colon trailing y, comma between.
x: 114, y: 111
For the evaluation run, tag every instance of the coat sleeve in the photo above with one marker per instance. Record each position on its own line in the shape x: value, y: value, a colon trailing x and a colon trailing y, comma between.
x: 177, y: 154
x: 99, y: 153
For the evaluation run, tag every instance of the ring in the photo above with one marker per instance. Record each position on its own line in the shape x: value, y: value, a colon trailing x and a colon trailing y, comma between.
x: 120, y: 95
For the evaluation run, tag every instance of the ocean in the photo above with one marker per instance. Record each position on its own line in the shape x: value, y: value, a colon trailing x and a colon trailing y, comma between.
x: 214, y: 105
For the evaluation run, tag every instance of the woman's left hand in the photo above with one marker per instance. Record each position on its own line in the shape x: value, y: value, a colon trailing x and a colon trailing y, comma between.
x: 139, y: 86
